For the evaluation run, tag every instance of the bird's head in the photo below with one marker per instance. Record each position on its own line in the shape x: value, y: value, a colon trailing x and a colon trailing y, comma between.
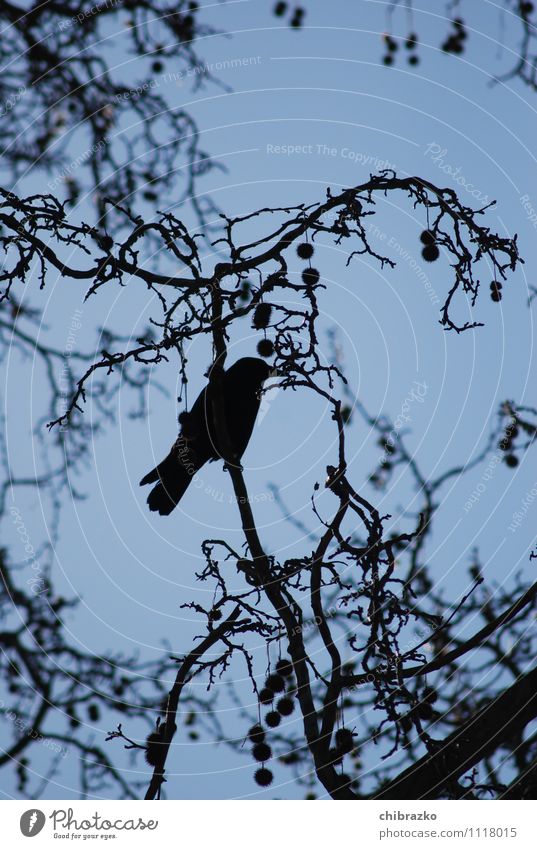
x: 252, y: 370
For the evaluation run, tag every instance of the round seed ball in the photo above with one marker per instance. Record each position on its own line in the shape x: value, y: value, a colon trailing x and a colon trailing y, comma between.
x: 275, y: 683
x: 311, y: 276
x: 256, y: 734
x: 427, y: 237
x: 305, y: 250
x: 262, y: 752
x: 266, y: 696
x: 430, y: 253
x: 265, y: 348
x: 263, y: 777
x: 344, y: 740
x: 284, y: 667
x: 285, y: 706
x: 273, y: 719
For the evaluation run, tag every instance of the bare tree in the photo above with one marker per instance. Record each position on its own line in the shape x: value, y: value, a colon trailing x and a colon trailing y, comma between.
x: 74, y: 111
x: 340, y: 621
x: 456, y: 40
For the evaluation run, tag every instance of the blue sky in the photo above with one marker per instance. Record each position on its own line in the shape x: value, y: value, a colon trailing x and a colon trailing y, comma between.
x: 310, y: 109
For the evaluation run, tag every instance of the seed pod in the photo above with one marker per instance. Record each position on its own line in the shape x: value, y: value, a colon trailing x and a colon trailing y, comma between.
x: 427, y: 237
x: 262, y: 752
x: 153, y: 748
x: 430, y: 253
x: 265, y: 348
x: 266, y: 696
x: 310, y: 276
x: 344, y: 740
x: 256, y: 734
x: 273, y: 719
x: 424, y: 710
x: 93, y: 713
x: 261, y: 316
x: 263, y: 777
x: 284, y: 667
x: 275, y: 683
x: 305, y: 250
x: 285, y: 706
x: 430, y: 695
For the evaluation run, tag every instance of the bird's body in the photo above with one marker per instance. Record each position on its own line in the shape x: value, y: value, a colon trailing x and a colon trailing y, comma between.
x: 198, y: 441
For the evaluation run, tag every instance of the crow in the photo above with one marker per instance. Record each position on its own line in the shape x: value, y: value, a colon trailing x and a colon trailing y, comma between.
x: 198, y: 442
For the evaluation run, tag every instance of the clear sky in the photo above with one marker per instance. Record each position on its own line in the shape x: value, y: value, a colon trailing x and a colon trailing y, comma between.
x: 309, y: 109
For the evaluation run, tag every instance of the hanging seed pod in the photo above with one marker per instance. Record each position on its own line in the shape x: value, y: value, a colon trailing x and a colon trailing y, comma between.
x: 265, y: 348
x: 305, y: 250
x: 261, y: 316
x: 310, y: 276
x: 215, y: 615
x: 266, y: 696
x: 153, y: 748
x: 285, y: 706
x: 425, y: 711
x: 275, y: 683
x: 284, y: 667
x: 273, y: 719
x: 430, y: 253
x: 427, y: 237
x: 256, y: 734
x: 344, y: 740
x: 93, y: 713
x: 263, y: 777
x: 262, y: 752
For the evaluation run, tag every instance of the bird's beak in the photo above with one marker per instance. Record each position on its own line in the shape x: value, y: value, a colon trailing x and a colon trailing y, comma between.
x: 274, y: 373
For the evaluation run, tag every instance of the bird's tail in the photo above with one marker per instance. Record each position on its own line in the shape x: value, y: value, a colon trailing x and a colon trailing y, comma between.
x: 173, y: 480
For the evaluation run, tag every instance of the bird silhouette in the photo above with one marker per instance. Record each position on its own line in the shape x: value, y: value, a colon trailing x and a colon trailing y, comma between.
x: 198, y: 441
